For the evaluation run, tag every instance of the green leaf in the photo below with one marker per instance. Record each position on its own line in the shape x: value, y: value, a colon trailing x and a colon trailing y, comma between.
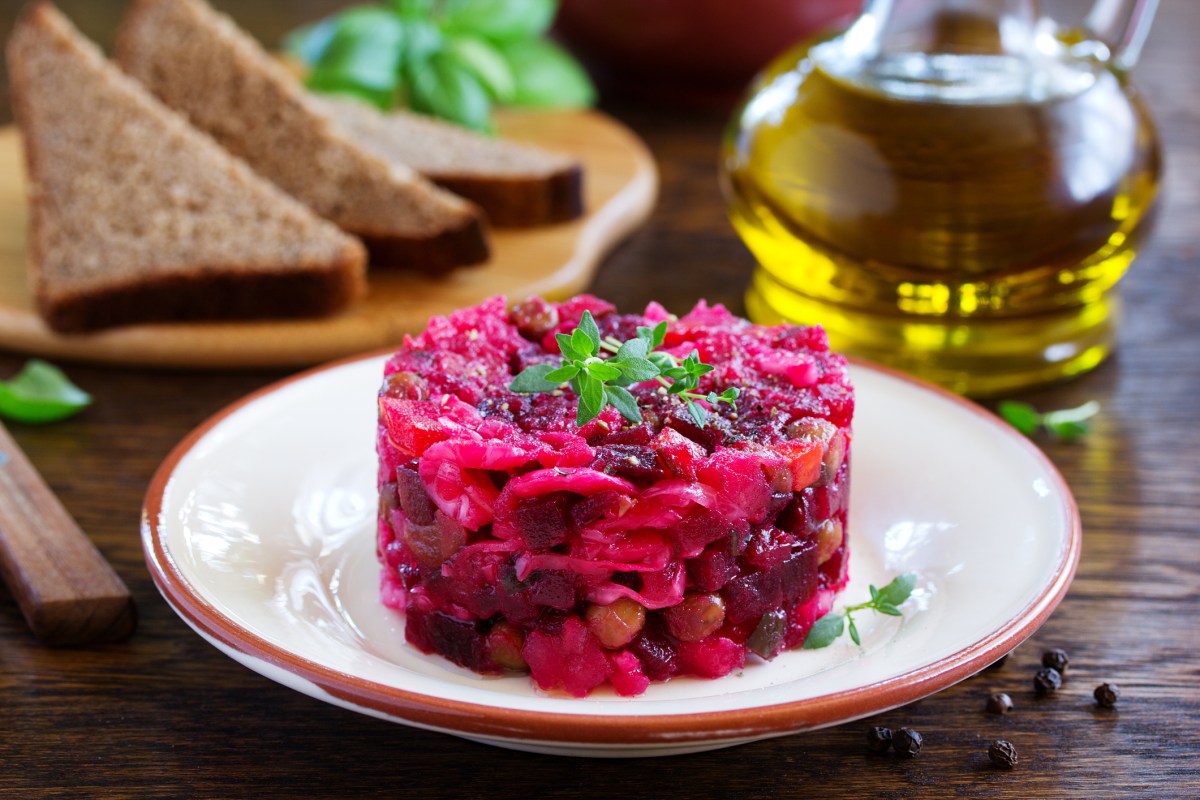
x: 486, y: 63
x: 874, y: 593
x: 40, y: 392
x: 591, y: 399
x: 308, y: 44
x: 604, y: 372
x: 582, y: 343
x: 697, y: 413
x: 499, y: 20
x: 566, y: 346
x: 825, y: 631
x: 1069, y: 424
x: 625, y: 403
x: 730, y: 395
x: 634, y: 348
x: 638, y: 369
x: 362, y: 55
x: 889, y: 609
x: 588, y: 325
x: 563, y: 374
x: 546, y: 77
x: 1021, y: 416
x: 534, y: 380
x: 413, y: 9
x: 449, y: 90
x: 896, y: 592
x: 853, y: 630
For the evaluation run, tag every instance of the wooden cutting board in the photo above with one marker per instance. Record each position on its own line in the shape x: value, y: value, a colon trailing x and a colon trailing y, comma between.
x: 555, y: 261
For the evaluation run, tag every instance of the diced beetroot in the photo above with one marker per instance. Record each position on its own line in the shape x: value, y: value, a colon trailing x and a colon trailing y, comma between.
x: 656, y: 655
x: 456, y: 639
x: 543, y: 521
x: 627, y: 677
x: 503, y: 526
x: 679, y: 454
x: 710, y: 658
x: 413, y: 497
x: 629, y: 461
x: 715, y: 567
x: 573, y: 660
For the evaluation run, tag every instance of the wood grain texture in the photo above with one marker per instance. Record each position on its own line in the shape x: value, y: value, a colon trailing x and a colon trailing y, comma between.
x: 167, y: 715
x: 66, y: 590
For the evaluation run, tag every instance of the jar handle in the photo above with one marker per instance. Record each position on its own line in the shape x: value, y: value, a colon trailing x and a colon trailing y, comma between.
x: 1121, y: 26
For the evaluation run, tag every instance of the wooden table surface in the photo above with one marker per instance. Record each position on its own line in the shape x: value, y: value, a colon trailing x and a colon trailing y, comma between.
x: 167, y: 715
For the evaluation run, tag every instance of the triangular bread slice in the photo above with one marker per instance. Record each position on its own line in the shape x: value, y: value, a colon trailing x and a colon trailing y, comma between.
x: 516, y: 185
x: 138, y: 217
x: 200, y: 63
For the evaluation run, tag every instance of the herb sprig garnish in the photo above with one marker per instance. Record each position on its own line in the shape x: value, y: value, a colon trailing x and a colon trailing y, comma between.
x: 887, y: 601
x: 1067, y: 424
x: 599, y: 382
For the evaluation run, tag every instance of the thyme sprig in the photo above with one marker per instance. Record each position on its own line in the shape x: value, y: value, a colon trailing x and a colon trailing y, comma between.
x: 887, y: 601
x: 600, y: 381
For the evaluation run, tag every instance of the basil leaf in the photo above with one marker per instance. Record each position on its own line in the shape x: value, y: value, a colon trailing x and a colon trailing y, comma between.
x: 898, y: 590
x: 362, y: 56
x: 625, y: 403
x: 448, y: 90
x: 546, y: 77
x: 533, y: 380
x: 485, y: 63
x: 824, y: 631
x: 413, y: 9
x: 309, y: 43
x: 499, y: 20
x: 40, y: 392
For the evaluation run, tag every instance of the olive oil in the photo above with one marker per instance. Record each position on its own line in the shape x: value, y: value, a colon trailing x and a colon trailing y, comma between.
x: 967, y: 226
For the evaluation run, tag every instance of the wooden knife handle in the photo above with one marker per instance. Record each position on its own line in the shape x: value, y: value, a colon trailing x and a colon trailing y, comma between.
x: 66, y: 590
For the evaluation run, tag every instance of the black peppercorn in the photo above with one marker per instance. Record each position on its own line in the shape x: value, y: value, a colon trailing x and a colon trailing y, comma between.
x: 1107, y: 694
x: 999, y: 703
x: 1056, y: 659
x: 1046, y: 681
x: 879, y: 740
x: 1003, y: 754
x: 907, y: 742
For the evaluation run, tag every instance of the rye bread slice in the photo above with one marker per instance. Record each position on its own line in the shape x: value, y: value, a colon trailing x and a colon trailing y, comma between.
x: 516, y: 185
x: 138, y: 217
x: 200, y: 63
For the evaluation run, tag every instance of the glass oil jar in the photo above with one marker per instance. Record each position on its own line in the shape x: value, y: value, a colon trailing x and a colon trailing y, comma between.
x: 950, y: 187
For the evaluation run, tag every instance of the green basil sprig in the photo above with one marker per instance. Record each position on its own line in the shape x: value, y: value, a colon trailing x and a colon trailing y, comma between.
x: 40, y: 392
x: 455, y: 59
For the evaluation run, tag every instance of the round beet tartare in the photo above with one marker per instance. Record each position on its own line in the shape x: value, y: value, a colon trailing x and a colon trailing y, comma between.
x: 514, y: 539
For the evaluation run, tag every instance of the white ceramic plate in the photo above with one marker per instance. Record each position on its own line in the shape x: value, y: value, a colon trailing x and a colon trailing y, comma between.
x: 259, y: 531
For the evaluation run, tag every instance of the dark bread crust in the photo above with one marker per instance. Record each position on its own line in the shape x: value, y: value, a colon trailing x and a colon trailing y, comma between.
x: 233, y: 294
x: 521, y: 203
x: 463, y: 245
